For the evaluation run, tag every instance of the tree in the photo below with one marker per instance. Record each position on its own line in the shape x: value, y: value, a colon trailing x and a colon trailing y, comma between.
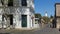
x: 51, y: 16
x: 46, y: 19
x: 37, y: 15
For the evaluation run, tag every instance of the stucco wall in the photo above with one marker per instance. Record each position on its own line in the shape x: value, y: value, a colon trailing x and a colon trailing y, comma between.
x: 58, y: 10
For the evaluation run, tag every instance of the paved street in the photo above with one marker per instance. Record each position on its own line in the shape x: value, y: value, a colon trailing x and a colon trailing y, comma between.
x: 45, y: 30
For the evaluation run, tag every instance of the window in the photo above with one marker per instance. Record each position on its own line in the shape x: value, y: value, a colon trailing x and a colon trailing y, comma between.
x: 2, y: 2
x: 10, y: 2
x: 24, y: 2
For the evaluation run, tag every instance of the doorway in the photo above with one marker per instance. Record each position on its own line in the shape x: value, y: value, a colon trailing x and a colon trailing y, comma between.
x: 24, y: 20
x: 11, y: 19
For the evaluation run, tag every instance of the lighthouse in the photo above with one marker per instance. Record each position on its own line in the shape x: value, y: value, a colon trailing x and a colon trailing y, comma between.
x: 46, y: 14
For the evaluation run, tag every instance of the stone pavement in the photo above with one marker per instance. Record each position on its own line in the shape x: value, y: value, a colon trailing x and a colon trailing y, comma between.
x: 45, y: 30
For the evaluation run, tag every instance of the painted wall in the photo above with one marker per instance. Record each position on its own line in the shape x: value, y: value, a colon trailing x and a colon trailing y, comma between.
x: 19, y: 10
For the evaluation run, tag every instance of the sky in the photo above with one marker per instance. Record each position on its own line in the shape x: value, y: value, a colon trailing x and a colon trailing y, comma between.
x: 42, y: 6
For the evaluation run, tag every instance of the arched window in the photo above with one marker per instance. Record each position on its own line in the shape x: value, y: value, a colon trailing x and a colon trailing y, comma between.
x: 24, y: 2
x: 10, y: 2
x: 2, y: 2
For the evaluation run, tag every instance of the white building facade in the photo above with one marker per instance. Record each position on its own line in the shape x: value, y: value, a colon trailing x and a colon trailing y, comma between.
x: 17, y: 14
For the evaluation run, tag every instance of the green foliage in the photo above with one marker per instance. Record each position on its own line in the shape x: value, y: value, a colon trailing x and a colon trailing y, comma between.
x: 46, y: 19
x: 51, y: 16
x: 38, y: 16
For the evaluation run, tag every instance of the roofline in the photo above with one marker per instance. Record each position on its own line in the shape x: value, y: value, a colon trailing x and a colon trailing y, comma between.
x: 57, y: 3
x: 55, y: 9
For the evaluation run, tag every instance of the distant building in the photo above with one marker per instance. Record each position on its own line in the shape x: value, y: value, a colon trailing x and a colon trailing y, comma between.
x: 37, y: 22
x: 17, y: 14
x: 46, y: 14
x: 57, y: 14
